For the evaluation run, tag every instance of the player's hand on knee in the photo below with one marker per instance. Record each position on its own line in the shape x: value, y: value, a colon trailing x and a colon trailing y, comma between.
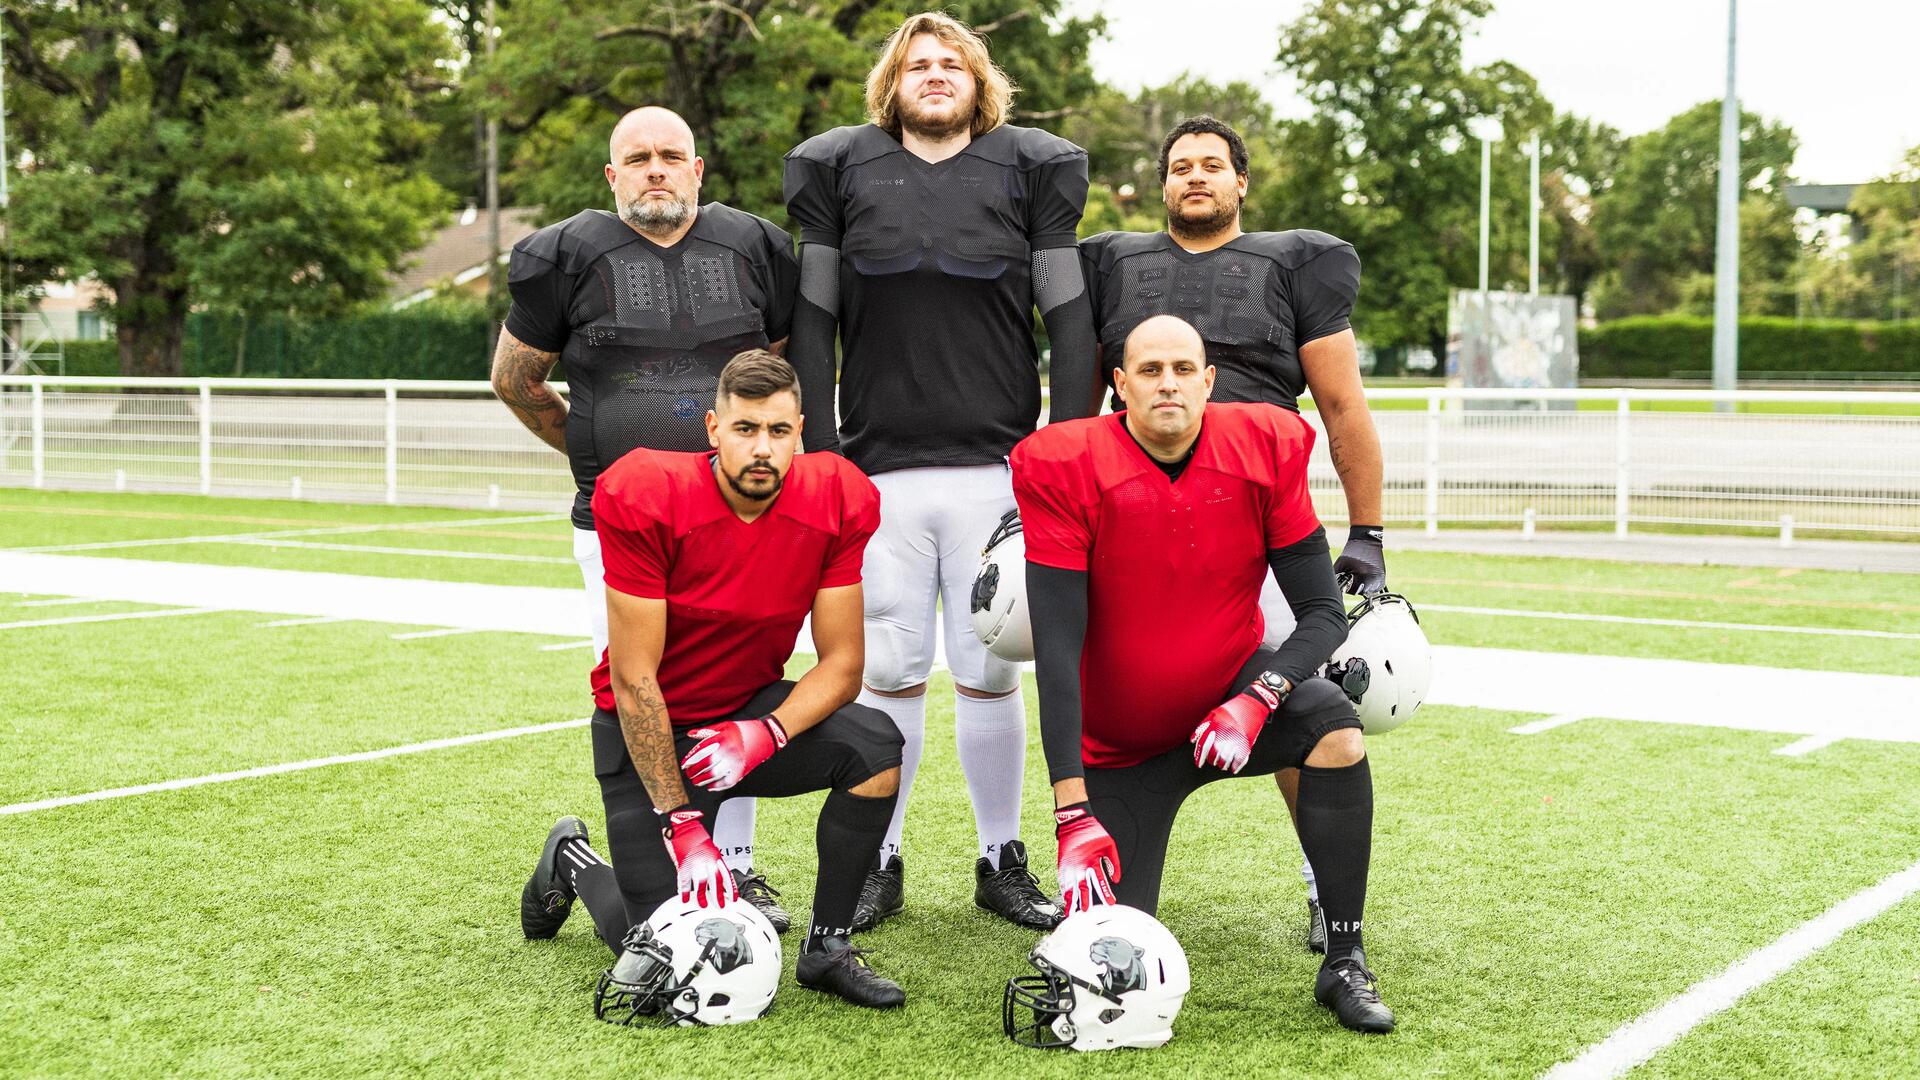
x: 730, y: 749
x: 1225, y: 738
x: 1089, y: 860
x: 701, y: 872
x: 1362, y: 565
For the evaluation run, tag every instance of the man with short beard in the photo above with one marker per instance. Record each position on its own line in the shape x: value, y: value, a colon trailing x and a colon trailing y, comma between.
x: 1273, y: 309
x: 643, y: 309
x: 928, y: 237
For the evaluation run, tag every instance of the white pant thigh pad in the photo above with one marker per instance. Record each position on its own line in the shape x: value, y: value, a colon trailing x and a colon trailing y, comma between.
x: 586, y: 552
x: 1273, y: 607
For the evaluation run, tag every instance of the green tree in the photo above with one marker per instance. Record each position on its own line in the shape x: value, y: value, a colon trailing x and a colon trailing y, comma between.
x: 1887, y: 256
x: 1656, y: 222
x: 243, y: 154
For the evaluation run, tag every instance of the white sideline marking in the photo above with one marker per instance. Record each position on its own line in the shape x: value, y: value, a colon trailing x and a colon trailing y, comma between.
x: 71, y: 619
x: 1690, y: 624
x: 1535, y: 727
x: 327, y: 530
x: 287, y: 767
x: 61, y: 601
x: 1637, y: 1041
x: 433, y: 553
x: 444, y: 632
x: 315, y: 621
x: 588, y: 644
x: 1808, y: 745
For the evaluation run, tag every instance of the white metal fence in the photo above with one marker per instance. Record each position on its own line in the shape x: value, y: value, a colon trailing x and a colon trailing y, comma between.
x: 1833, y: 461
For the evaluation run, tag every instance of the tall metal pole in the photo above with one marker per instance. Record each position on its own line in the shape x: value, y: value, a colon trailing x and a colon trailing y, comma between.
x: 1726, y: 277
x: 1486, y: 207
x: 1533, y: 220
x: 493, y: 185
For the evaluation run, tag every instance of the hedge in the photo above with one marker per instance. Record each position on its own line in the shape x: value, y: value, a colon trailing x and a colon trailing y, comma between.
x: 1681, y: 346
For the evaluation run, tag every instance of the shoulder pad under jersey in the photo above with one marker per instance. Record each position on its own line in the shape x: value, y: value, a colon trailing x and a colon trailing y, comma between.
x: 1022, y: 147
x: 844, y: 147
x: 576, y: 243
x: 1291, y: 249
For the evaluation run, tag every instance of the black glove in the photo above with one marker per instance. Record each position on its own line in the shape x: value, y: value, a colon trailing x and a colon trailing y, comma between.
x: 1362, y: 565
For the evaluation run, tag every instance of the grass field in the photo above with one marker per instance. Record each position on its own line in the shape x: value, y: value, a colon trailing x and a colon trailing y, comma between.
x: 1529, y: 895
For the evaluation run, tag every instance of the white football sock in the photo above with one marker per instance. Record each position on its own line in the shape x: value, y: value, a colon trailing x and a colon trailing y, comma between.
x: 991, y: 736
x: 909, y: 714
x: 1313, y: 888
x: 733, y: 834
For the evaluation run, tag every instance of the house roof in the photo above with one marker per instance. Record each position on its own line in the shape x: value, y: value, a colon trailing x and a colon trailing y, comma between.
x: 460, y: 249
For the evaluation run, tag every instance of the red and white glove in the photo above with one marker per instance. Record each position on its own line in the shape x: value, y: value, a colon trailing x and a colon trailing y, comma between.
x: 1225, y: 738
x: 729, y: 750
x: 1089, y: 862
x: 702, y: 874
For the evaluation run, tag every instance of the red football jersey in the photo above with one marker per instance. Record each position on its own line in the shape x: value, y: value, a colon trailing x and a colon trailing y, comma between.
x: 1174, y: 567
x: 736, y: 591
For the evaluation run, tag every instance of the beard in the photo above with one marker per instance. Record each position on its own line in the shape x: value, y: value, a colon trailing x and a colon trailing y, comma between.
x: 748, y: 487
x: 655, y: 215
x: 1226, y: 208
x: 938, y: 128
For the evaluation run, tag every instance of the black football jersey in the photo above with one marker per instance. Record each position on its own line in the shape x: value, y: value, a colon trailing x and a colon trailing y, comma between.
x: 938, y: 363
x: 1255, y: 301
x: 643, y: 330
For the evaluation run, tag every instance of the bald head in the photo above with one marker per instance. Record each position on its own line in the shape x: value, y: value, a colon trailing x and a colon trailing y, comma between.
x: 649, y: 124
x: 1164, y: 337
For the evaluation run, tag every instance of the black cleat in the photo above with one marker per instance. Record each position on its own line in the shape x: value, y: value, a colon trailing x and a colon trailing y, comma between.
x: 1316, y: 927
x: 548, y: 896
x: 883, y: 895
x: 1013, y: 893
x: 840, y: 969
x: 1348, y: 988
x: 753, y: 888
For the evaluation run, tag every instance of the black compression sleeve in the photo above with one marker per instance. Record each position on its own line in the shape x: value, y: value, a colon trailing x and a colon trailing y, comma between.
x: 1073, y: 374
x: 1057, y: 601
x: 811, y: 346
x: 1304, y: 572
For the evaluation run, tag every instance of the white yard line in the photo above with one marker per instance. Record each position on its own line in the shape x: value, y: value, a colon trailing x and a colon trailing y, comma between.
x: 1535, y: 727
x: 329, y: 530
x: 445, y: 632
x: 1639, y: 1040
x: 58, y: 602
x: 1689, y: 624
x: 1803, y: 747
x: 316, y: 620
x: 71, y: 619
x: 287, y: 767
x: 430, y: 553
x: 565, y: 645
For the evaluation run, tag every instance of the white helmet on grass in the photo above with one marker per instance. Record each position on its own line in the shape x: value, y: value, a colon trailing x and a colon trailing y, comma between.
x: 1109, y: 976
x: 693, y: 966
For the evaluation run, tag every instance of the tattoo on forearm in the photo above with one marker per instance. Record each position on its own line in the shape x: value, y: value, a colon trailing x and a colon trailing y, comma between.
x: 520, y: 379
x: 649, y: 738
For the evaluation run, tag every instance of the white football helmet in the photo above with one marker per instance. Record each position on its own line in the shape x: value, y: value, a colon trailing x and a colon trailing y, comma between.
x: 1110, y: 976
x: 693, y: 966
x: 1000, y: 618
x: 1385, y: 665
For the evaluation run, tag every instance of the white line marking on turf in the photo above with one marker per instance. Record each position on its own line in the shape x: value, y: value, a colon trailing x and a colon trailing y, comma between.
x: 58, y: 602
x: 71, y: 619
x: 567, y: 645
x: 315, y: 621
x: 1639, y: 1040
x: 444, y: 632
x: 288, y: 767
x: 1803, y: 747
x: 1689, y: 624
x: 329, y: 530
x: 432, y: 553
x: 1535, y: 727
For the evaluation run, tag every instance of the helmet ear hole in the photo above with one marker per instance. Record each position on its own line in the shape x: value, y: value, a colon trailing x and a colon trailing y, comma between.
x: 719, y: 999
x: 1108, y: 1016
x: 1388, y: 664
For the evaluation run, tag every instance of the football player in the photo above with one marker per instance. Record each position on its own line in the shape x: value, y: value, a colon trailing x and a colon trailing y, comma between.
x: 712, y: 562
x: 643, y: 308
x: 1274, y: 310
x: 927, y: 239
x: 1148, y: 534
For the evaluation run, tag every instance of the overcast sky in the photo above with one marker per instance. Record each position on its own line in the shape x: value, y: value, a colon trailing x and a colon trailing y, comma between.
x: 1840, y: 72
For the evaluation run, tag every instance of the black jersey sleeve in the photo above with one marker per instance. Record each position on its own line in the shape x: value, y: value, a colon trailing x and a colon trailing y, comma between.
x: 1304, y: 572
x: 813, y: 203
x: 1057, y: 602
x: 1056, y: 197
x: 812, y: 195
x: 1324, y: 290
x: 541, y: 290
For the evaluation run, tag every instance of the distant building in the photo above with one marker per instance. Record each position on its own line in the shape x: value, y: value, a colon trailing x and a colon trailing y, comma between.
x: 66, y: 310
x: 454, y: 260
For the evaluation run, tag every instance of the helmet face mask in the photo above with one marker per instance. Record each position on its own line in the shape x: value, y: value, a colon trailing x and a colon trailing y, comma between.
x: 639, y: 983
x: 692, y: 967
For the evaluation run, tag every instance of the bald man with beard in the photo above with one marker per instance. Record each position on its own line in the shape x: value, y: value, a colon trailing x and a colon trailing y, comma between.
x: 642, y: 307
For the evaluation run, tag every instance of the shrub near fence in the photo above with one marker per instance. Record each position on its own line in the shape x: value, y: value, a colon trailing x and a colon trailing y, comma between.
x: 438, y: 341
x: 1681, y: 346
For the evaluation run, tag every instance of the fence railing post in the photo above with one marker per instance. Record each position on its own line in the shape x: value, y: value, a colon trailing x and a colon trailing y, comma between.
x: 1621, y: 455
x: 39, y: 436
x: 1433, y: 462
x: 393, y: 441
x: 206, y: 437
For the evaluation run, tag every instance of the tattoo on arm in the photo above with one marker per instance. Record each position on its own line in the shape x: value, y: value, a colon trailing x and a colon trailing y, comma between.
x: 520, y: 380
x: 649, y: 737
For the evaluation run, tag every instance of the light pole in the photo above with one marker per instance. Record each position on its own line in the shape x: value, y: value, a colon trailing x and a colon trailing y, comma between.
x: 1488, y: 130
x: 1533, y: 218
x: 1726, y: 270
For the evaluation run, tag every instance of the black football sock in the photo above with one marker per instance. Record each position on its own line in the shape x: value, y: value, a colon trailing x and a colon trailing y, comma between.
x: 1336, y: 830
x: 849, y: 832
x: 599, y: 890
x: 575, y: 855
